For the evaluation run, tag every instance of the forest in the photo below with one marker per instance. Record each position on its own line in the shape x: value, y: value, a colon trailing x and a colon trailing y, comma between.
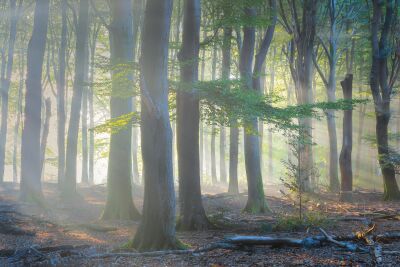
x: 199, y: 133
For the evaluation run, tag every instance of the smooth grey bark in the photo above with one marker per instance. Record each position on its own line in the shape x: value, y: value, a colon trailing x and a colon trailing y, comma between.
x: 18, y: 120
x: 14, y: 13
x: 157, y: 228
x: 226, y: 71
x: 214, y: 177
x: 233, y: 187
x: 84, y: 129
x: 138, y: 9
x: 31, y: 187
x: 255, y: 202
x: 252, y: 79
x: 381, y: 84
x: 119, y: 204
x: 69, y: 184
x: 45, y: 134
x: 347, y: 143
x: 192, y: 213
x: 92, y: 46
x: 61, y: 116
x: 222, y: 164
x: 270, y: 136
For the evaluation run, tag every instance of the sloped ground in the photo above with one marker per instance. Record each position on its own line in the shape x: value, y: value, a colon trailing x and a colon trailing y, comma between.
x: 77, y: 224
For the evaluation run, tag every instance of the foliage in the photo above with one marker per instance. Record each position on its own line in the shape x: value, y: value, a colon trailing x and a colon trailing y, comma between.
x: 296, y: 174
x: 294, y: 223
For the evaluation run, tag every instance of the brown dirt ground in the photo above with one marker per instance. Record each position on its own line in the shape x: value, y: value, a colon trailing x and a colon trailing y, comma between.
x: 69, y: 230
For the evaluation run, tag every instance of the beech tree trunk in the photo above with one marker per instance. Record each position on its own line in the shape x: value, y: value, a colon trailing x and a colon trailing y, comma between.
x: 192, y: 214
x: 226, y: 72
x: 119, y: 204
x: 90, y: 100
x: 233, y: 160
x: 214, y: 178
x: 45, y: 134
x: 6, y: 82
x: 157, y: 228
x: 347, y: 144
x: 69, y: 184
x: 382, y: 91
x: 256, y: 201
x: 31, y: 187
x: 61, y: 117
x: 84, y: 129
x: 18, y: 120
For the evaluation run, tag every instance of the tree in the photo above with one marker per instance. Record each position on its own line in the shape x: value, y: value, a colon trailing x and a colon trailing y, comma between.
x: 330, y: 84
x: 214, y: 178
x: 45, y: 134
x: 30, y: 187
x: 61, y: 94
x: 69, y: 184
x: 300, y: 58
x: 381, y: 83
x: 192, y: 214
x: 157, y: 228
x: 233, y: 186
x: 251, y: 77
x: 6, y: 81
x: 226, y: 71
x: 119, y: 203
x: 347, y: 144
x: 84, y: 117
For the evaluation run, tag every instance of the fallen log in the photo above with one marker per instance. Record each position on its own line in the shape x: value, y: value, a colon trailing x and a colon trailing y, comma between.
x: 241, y: 242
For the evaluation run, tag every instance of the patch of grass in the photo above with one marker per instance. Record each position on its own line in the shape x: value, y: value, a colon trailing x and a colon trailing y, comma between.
x: 291, y: 223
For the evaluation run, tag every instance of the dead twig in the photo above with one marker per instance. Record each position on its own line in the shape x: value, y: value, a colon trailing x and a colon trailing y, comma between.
x: 346, y: 245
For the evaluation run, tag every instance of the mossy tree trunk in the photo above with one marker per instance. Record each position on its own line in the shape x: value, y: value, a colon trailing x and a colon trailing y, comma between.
x: 256, y: 199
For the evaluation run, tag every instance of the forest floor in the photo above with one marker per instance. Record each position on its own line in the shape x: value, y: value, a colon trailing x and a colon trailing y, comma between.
x: 77, y: 224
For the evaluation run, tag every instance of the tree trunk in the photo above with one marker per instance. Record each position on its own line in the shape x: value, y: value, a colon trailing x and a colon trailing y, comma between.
x: 256, y: 201
x: 192, y: 214
x: 119, y: 204
x: 214, y: 178
x: 61, y: 117
x: 381, y: 92
x: 69, y: 184
x: 347, y: 144
x: 91, y: 108
x: 45, y: 134
x: 31, y: 187
x: 157, y: 228
x: 137, y: 26
x: 6, y: 82
x: 18, y: 120
x: 84, y: 130
x: 233, y: 160
x: 226, y: 72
